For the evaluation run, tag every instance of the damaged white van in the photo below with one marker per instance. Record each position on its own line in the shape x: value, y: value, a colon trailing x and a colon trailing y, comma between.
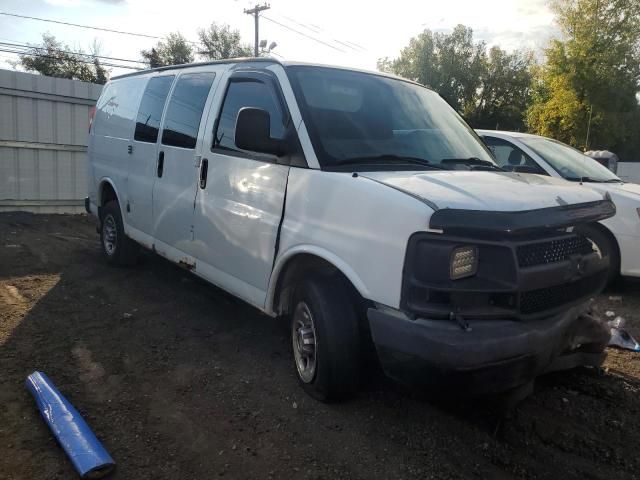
x: 360, y: 207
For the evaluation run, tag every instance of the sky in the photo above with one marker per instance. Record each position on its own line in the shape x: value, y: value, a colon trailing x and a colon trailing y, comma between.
x: 350, y: 33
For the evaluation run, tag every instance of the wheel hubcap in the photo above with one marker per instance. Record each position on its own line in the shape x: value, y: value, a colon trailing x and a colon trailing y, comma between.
x: 303, y: 334
x: 109, y: 234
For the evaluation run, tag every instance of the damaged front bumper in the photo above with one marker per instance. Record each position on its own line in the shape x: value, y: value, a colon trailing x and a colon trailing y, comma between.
x: 490, y: 356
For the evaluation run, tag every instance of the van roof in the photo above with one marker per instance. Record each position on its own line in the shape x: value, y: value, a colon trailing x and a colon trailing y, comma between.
x: 261, y: 60
x: 197, y: 64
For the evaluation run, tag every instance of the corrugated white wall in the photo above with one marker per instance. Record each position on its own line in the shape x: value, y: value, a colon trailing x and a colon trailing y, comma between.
x: 43, y: 141
x: 629, y: 171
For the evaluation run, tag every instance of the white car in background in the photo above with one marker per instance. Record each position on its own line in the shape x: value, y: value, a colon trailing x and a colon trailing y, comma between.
x: 619, y: 236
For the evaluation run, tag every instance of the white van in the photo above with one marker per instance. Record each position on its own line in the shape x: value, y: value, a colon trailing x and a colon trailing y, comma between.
x: 359, y: 206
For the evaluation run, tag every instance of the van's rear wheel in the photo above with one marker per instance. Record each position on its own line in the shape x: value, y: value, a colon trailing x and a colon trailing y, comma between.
x: 325, y: 338
x: 117, y: 248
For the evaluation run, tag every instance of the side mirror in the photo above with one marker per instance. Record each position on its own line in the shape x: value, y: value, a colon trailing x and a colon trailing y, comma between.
x: 253, y: 132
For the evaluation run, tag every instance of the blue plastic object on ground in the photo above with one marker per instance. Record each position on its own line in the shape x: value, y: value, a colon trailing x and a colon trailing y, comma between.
x: 86, y: 452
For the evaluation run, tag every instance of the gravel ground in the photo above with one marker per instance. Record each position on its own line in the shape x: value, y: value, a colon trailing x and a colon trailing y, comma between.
x: 182, y: 381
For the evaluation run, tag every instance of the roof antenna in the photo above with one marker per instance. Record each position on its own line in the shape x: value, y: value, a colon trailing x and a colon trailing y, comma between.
x: 586, y: 143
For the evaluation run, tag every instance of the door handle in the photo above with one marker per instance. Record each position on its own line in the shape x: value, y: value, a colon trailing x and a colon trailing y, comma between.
x: 160, y: 164
x: 204, y: 169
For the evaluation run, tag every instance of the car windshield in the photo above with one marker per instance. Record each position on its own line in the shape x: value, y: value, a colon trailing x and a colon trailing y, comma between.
x: 569, y: 162
x: 362, y: 118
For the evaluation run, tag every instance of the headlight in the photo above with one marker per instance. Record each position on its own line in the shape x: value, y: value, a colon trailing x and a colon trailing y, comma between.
x: 464, y: 262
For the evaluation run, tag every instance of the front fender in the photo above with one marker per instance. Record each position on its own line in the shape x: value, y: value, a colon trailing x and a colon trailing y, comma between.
x: 319, y: 252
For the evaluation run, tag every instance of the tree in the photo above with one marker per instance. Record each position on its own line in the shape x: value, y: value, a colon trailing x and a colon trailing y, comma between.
x: 504, y: 93
x: 591, y: 77
x: 219, y: 42
x: 55, y: 59
x: 449, y: 63
x: 489, y: 90
x: 174, y: 50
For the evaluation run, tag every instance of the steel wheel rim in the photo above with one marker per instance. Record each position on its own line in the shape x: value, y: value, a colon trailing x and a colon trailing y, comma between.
x: 303, y: 335
x: 110, y: 234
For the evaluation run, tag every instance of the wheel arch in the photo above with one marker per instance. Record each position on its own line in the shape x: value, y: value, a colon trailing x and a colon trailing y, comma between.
x: 303, y: 259
x: 606, y: 231
x: 107, y: 191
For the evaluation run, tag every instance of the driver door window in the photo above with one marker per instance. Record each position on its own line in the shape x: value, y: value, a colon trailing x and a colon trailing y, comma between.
x: 248, y: 93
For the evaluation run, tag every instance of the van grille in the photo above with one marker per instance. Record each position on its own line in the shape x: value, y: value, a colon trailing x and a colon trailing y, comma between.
x: 552, y: 251
x: 551, y: 297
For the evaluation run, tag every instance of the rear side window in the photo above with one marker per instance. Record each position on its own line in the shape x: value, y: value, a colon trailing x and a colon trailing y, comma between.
x: 185, y: 109
x: 248, y: 93
x: 151, y: 106
x: 117, y: 108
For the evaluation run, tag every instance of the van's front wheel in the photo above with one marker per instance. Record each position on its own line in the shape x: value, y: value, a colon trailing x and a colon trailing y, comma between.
x: 117, y: 248
x: 325, y: 338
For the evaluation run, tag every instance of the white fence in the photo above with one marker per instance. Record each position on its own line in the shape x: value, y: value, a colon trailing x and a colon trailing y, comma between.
x: 44, y: 123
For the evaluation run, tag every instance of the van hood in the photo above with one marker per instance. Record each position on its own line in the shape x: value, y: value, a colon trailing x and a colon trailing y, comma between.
x: 489, y: 191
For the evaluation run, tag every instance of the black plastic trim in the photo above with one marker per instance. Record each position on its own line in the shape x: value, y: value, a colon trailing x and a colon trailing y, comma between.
x: 452, y: 219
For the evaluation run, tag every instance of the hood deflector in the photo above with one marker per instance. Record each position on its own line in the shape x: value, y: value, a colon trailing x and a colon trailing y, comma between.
x: 458, y: 220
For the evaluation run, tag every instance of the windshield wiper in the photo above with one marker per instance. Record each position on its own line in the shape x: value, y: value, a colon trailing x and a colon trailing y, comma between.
x: 472, y: 162
x: 592, y: 180
x: 386, y: 159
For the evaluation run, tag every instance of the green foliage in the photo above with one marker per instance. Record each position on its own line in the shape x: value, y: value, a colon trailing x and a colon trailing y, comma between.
x: 219, y: 42
x: 54, y: 59
x: 174, y: 50
x: 594, y: 70
x: 504, y: 93
x: 489, y: 89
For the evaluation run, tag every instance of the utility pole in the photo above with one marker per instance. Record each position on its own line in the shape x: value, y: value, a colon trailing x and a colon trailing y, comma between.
x: 255, y: 11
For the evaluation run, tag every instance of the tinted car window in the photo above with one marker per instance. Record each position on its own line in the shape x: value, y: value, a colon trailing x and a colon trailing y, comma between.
x: 248, y: 93
x: 510, y: 156
x: 117, y: 108
x: 151, y: 106
x: 185, y: 109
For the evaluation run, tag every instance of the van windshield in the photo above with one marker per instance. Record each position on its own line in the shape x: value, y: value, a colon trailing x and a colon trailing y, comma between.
x: 356, y: 118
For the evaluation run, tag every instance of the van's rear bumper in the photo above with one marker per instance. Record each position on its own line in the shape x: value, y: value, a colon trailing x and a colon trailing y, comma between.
x: 493, y: 356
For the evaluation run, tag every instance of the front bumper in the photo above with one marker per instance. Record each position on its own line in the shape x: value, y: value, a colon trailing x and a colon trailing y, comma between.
x: 492, y: 356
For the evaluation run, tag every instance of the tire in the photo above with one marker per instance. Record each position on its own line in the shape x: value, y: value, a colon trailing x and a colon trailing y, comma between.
x: 117, y: 248
x: 607, y: 246
x: 324, y: 319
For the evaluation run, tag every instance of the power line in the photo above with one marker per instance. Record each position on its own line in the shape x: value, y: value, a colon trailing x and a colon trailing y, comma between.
x: 19, y: 45
x: 318, y: 30
x: 303, y: 34
x: 80, y: 26
x: 106, y: 64
x: 90, y: 27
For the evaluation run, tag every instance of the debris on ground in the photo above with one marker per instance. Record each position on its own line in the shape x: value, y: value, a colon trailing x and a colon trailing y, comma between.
x: 167, y: 389
x: 620, y: 337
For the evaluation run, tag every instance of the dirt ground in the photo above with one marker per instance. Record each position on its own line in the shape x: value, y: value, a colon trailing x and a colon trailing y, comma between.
x: 181, y: 381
